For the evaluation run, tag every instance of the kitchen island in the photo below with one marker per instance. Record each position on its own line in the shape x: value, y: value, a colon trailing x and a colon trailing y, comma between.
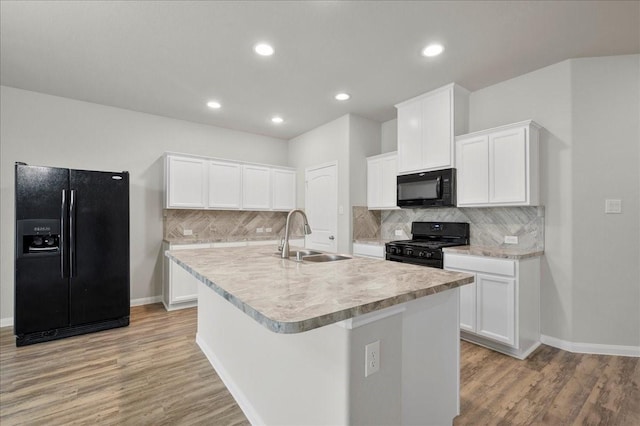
x: 288, y: 338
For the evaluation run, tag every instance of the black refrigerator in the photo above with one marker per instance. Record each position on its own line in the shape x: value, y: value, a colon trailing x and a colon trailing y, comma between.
x: 71, y: 252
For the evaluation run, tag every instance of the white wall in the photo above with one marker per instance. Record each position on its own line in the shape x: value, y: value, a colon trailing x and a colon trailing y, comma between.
x: 364, y: 141
x: 606, y: 247
x: 389, y: 142
x: 47, y: 130
x: 327, y: 143
x: 589, y: 151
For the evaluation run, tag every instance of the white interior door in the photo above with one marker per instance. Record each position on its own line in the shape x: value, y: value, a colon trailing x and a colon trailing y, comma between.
x: 321, y: 206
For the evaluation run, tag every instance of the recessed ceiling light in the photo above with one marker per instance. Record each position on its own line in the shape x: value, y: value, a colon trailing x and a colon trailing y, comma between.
x: 214, y: 104
x: 432, y: 50
x: 343, y: 96
x: 263, y: 49
x: 277, y: 120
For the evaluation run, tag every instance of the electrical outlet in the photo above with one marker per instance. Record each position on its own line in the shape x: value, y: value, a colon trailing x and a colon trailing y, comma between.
x: 259, y: 230
x: 612, y: 206
x: 187, y: 232
x: 371, y: 358
x: 268, y: 230
x: 511, y: 239
x: 398, y: 232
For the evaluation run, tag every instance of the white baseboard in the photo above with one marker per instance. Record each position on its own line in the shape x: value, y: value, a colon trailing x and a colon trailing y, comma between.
x: 591, y: 348
x: 241, y: 399
x: 8, y: 322
x: 146, y: 301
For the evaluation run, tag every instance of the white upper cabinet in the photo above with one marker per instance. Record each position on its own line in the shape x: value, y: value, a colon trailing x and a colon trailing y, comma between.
x: 225, y: 179
x: 210, y: 183
x: 382, y: 171
x: 427, y: 126
x: 186, y: 182
x: 283, y: 189
x: 499, y: 167
x: 256, y: 187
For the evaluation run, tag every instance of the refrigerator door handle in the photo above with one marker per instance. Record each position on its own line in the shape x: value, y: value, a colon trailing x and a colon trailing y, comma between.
x: 72, y: 236
x: 63, y: 219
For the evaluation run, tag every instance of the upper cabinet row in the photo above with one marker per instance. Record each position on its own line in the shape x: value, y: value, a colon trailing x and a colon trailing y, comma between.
x: 203, y: 183
x: 427, y: 125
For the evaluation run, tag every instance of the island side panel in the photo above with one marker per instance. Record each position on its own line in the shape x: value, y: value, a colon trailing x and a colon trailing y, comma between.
x: 283, y: 379
x: 431, y: 359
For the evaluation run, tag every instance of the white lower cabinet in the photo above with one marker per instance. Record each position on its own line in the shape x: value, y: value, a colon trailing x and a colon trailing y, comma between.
x: 501, y: 309
x: 368, y: 250
x: 179, y: 290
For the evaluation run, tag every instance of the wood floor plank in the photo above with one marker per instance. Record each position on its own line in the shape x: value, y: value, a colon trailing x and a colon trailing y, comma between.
x: 153, y: 373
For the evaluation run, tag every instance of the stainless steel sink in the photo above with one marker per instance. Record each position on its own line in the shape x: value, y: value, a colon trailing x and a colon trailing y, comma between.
x: 325, y: 257
x: 293, y: 254
x: 303, y: 253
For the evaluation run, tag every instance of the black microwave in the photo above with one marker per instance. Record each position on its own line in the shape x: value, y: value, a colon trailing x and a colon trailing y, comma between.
x: 427, y: 189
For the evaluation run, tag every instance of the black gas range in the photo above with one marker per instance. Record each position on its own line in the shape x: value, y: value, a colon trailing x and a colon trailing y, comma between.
x: 428, y: 240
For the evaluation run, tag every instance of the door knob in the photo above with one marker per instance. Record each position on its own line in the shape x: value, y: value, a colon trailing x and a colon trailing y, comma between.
x: 331, y: 237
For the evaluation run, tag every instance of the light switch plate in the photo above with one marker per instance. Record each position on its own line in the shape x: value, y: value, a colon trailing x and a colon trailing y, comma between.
x: 612, y: 206
x: 187, y: 232
x: 398, y: 232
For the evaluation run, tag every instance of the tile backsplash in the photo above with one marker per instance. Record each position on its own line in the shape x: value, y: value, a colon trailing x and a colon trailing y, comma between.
x: 366, y: 223
x: 226, y: 225
x: 488, y: 226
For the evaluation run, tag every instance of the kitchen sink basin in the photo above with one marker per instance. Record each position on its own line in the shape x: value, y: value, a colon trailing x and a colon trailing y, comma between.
x: 303, y: 253
x: 325, y: 257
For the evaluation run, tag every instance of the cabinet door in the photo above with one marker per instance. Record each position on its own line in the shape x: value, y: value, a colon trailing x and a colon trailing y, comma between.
x: 256, y: 187
x: 374, y: 183
x: 437, y: 130
x: 187, y: 182
x: 410, y: 137
x: 508, y: 166
x: 224, y: 184
x: 284, y: 189
x: 472, y: 163
x: 184, y: 286
x: 389, y: 181
x: 495, y: 318
x: 468, y: 307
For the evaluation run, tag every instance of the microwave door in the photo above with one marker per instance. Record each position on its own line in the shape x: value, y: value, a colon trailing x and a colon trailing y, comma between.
x: 419, y: 190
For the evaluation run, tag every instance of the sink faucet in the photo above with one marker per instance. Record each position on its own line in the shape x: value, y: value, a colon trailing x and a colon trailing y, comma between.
x: 306, y: 230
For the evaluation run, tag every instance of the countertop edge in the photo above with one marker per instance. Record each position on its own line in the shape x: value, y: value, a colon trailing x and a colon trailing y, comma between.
x: 495, y: 252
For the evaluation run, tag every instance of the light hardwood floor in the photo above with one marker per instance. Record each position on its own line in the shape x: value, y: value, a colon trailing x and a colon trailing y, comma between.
x: 153, y: 373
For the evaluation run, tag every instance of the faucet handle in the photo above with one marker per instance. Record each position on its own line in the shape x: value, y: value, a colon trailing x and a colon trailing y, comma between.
x: 281, y: 246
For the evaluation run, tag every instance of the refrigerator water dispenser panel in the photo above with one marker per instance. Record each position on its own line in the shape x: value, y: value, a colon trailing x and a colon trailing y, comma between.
x: 38, y: 237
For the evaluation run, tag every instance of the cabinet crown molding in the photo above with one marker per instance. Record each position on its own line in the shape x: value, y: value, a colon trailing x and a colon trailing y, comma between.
x: 455, y: 86
x: 524, y: 123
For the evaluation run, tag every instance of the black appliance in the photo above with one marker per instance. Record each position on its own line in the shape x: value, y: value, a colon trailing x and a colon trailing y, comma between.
x: 427, y: 189
x: 428, y: 240
x: 72, y: 252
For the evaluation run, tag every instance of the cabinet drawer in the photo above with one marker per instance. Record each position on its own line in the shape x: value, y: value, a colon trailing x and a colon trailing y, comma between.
x: 368, y: 250
x: 480, y: 264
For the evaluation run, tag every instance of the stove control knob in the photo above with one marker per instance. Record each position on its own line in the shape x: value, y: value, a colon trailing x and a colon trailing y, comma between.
x: 408, y: 252
x: 422, y: 254
x: 429, y: 254
x: 393, y: 250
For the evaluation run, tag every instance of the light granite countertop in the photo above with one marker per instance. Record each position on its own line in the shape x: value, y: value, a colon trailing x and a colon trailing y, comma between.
x: 499, y: 252
x: 291, y: 297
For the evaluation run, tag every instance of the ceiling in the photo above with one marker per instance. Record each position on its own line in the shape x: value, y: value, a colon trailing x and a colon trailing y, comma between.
x: 170, y: 58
